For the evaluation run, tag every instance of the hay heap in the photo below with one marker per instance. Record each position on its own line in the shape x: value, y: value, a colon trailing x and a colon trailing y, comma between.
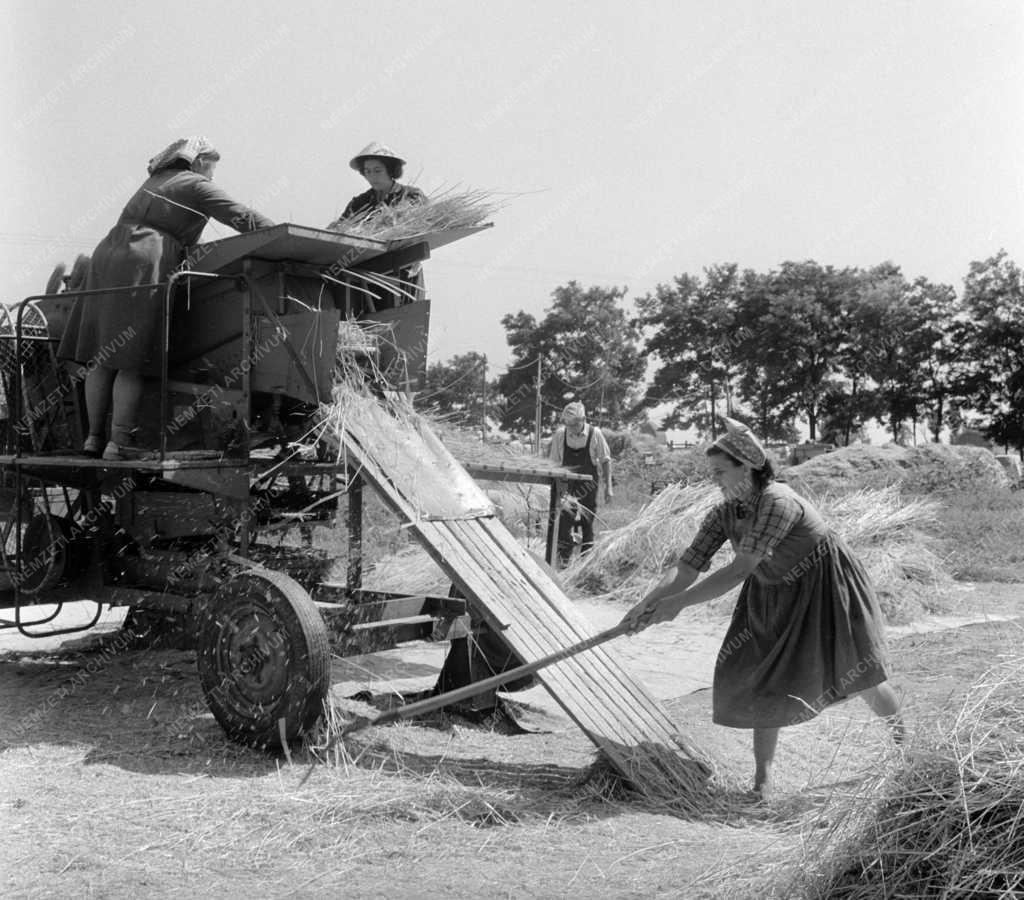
x: 924, y: 469
x: 881, y: 527
x: 950, y: 821
x: 625, y: 562
x: 443, y: 211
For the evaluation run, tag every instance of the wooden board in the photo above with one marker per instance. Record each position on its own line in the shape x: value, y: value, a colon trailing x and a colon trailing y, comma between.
x: 314, y: 246
x: 418, y: 470
x: 513, y: 592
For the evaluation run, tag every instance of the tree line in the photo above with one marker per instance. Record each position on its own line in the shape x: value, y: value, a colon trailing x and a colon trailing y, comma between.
x: 834, y: 349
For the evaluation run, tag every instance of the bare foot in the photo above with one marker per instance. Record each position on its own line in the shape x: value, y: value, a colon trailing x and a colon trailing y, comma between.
x: 761, y: 791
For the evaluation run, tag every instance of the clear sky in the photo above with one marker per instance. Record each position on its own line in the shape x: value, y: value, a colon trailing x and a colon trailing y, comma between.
x: 637, y: 140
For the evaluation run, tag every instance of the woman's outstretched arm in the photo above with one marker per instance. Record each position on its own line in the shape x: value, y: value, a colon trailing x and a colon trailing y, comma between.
x: 675, y: 593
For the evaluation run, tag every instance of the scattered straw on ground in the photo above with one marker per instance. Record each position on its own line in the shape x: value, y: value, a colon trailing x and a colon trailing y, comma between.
x: 947, y: 822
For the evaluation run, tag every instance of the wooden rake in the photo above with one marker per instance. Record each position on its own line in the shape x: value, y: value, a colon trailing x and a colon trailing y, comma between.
x: 471, y: 690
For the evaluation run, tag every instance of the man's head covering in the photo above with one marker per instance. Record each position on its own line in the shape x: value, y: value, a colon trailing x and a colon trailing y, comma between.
x: 374, y: 150
x: 183, y: 148
x: 740, y: 443
x: 574, y: 410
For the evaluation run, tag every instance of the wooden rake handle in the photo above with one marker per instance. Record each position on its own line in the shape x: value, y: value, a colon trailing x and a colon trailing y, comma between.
x: 477, y: 687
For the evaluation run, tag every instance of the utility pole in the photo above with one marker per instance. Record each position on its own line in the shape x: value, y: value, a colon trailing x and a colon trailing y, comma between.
x: 536, y: 421
x: 483, y: 404
x: 714, y: 410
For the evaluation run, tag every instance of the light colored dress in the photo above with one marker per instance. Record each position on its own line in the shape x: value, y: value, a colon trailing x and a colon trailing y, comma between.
x: 807, y: 630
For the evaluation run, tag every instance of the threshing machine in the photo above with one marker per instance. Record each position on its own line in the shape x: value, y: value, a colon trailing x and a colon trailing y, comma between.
x: 252, y: 329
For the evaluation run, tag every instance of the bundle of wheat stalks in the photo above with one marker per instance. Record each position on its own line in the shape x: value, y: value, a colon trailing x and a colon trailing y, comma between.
x: 881, y: 527
x: 948, y: 822
x: 451, y: 208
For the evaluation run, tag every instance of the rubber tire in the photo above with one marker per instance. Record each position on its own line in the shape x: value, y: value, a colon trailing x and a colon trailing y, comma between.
x: 291, y: 683
x: 55, y: 533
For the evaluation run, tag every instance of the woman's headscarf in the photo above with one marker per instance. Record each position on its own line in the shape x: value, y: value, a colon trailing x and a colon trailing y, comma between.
x: 740, y: 443
x: 183, y: 148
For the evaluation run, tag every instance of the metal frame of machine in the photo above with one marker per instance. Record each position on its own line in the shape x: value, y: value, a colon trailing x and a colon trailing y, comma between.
x: 181, y: 533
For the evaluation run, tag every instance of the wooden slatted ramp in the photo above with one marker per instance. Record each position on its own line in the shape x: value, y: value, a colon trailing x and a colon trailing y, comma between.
x: 514, y: 593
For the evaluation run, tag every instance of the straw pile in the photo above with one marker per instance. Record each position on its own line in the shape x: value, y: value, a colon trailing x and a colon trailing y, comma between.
x: 950, y: 821
x: 881, y: 527
x: 443, y: 211
x: 625, y: 561
x: 926, y: 469
x: 887, y: 531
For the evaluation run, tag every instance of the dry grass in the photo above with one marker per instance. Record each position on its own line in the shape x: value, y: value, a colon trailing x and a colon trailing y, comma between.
x: 982, y: 532
x: 657, y: 781
x: 947, y: 822
x: 448, y: 209
x: 625, y: 561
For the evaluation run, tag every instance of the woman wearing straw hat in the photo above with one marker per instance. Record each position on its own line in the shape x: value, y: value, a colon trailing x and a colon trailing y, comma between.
x: 118, y: 336
x: 807, y: 628
x: 382, y: 168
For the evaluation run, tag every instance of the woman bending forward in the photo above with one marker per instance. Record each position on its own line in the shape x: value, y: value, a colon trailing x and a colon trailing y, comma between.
x: 807, y: 630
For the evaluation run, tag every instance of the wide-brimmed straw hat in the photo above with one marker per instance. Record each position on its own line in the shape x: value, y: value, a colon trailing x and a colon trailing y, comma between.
x: 374, y: 150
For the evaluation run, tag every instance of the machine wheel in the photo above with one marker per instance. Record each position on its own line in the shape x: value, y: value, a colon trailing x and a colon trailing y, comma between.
x: 48, y: 553
x: 263, y: 655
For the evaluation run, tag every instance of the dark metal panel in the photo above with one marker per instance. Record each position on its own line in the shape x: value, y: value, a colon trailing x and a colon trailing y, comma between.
x: 401, y: 335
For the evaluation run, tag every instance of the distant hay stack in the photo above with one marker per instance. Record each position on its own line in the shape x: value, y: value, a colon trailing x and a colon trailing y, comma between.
x: 948, y: 822
x: 925, y: 469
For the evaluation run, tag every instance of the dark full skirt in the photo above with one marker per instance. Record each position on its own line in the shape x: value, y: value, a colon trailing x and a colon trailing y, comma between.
x: 122, y: 330
x: 794, y: 648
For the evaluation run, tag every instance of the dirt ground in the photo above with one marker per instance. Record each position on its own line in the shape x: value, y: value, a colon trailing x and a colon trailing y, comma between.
x: 115, y: 781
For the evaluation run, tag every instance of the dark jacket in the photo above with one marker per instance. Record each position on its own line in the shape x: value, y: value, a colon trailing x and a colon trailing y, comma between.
x: 164, y: 217
x: 368, y: 201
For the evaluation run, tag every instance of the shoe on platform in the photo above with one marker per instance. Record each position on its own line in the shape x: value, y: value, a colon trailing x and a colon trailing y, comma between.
x: 92, y: 446
x: 116, y: 452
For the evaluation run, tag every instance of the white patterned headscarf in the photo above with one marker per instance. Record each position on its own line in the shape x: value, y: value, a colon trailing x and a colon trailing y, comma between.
x: 740, y: 443
x: 183, y: 148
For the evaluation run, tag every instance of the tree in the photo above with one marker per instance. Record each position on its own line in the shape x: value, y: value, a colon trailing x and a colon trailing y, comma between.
x: 940, y: 361
x: 796, y: 320
x: 697, y: 337
x: 455, y: 389
x: 892, y: 345
x: 588, y: 350
x: 990, y: 334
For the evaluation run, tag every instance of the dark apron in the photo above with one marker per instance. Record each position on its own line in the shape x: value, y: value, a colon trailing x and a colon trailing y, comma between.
x: 578, y: 460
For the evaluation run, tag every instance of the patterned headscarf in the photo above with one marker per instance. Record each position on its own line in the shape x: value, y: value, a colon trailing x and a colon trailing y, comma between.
x: 183, y: 148
x: 739, y: 442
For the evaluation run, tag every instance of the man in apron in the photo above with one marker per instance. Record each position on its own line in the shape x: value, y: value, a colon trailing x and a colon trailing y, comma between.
x: 582, y: 448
